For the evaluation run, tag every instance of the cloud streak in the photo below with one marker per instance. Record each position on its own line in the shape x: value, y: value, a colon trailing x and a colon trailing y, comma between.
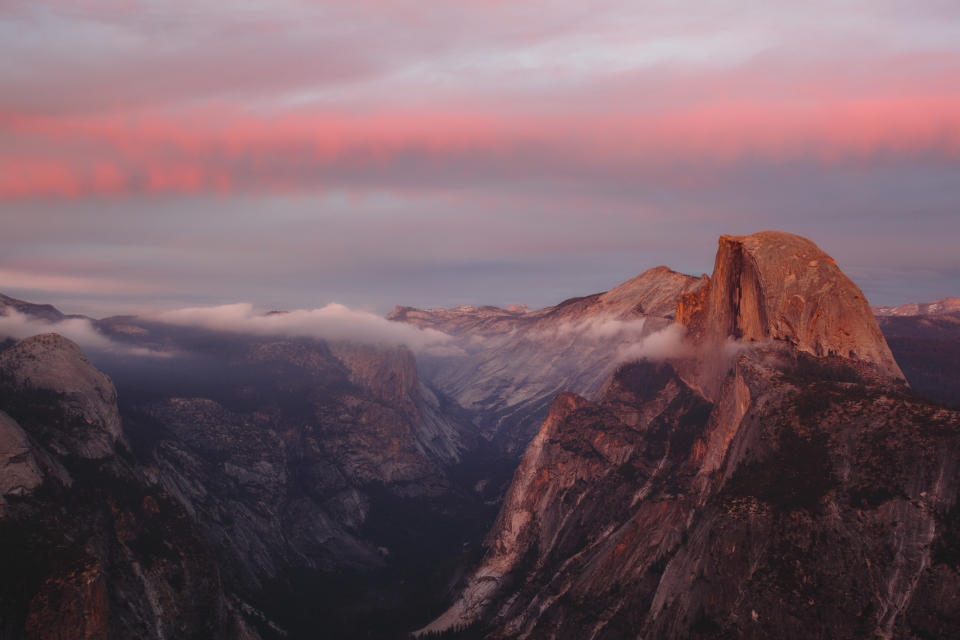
x: 661, y: 345
x: 174, y: 98
x: 225, y: 151
x: 334, y: 322
x: 23, y: 279
x: 14, y: 324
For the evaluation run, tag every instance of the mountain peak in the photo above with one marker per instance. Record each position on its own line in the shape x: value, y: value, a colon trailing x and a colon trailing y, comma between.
x: 780, y: 286
x: 653, y: 292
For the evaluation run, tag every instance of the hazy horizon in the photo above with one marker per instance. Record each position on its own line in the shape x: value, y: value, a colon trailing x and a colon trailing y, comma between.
x: 75, y: 304
x: 290, y: 154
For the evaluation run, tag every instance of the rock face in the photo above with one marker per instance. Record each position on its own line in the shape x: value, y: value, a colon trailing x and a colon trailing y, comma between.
x: 91, y: 548
x: 391, y: 376
x: 779, y: 286
x: 50, y: 361
x: 515, y: 361
x: 808, y: 494
x: 20, y: 473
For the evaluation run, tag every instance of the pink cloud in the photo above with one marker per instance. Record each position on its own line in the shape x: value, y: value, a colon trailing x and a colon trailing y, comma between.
x: 186, y: 99
x: 225, y: 150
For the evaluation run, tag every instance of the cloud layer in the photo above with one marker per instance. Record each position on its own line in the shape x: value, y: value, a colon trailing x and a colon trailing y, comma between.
x: 221, y: 150
x: 151, y: 98
x: 660, y: 345
x: 14, y: 324
x: 331, y: 322
x: 334, y: 322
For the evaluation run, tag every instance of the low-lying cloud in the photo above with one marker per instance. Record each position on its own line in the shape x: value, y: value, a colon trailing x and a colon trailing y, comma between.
x: 603, y: 329
x: 667, y: 343
x: 331, y: 322
x: 14, y: 324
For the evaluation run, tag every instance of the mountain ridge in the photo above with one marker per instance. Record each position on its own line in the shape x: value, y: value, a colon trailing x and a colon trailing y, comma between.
x: 948, y: 305
x: 803, y: 493
x: 516, y: 360
x: 370, y: 434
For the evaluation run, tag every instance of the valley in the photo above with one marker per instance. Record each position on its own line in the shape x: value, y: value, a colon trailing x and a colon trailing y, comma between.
x: 735, y: 455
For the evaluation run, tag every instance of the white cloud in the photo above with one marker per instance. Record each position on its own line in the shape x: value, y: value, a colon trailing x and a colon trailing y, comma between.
x: 667, y: 343
x: 14, y: 324
x: 332, y: 322
x: 599, y: 329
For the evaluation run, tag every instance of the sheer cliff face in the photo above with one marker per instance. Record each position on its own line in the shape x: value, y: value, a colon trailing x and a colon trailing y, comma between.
x: 515, y: 360
x: 806, y: 495
x: 775, y: 285
x: 91, y: 547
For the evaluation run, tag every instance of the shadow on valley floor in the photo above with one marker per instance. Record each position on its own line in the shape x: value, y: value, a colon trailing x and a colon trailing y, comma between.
x: 427, y: 541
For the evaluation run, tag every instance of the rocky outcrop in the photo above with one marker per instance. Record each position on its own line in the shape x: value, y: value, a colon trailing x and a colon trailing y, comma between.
x: 778, y: 286
x: 20, y: 473
x: 390, y: 374
x: 806, y: 494
x: 53, y: 363
x: 91, y: 547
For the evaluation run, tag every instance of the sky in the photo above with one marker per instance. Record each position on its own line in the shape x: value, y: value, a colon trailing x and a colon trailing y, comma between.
x: 291, y: 154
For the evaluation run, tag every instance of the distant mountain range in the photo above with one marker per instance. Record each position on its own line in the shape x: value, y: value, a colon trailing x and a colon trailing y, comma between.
x: 935, y: 308
x: 927, y: 347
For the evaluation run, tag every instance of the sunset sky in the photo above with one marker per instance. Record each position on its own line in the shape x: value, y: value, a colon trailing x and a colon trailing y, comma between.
x: 435, y: 152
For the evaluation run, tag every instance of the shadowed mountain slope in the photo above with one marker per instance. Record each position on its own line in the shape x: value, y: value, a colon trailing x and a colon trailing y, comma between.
x: 92, y: 546
x: 927, y: 347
